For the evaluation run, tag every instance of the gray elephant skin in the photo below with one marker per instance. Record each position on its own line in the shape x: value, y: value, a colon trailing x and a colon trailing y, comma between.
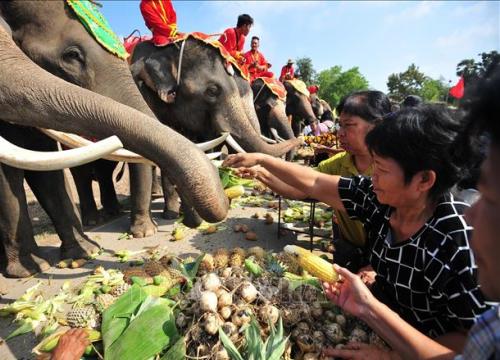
x: 210, y: 97
x: 46, y: 40
x: 299, y: 106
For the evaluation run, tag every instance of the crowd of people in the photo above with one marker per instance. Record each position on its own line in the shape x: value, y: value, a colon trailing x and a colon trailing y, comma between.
x: 417, y: 263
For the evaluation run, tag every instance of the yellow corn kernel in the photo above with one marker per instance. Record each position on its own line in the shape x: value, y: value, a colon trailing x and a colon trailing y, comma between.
x: 313, y: 264
x: 234, y: 191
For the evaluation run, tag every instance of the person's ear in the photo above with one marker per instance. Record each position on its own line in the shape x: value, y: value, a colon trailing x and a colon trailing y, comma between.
x: 426, y: 180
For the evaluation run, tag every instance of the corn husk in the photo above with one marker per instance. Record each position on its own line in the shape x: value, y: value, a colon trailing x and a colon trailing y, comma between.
x: 50, y: 342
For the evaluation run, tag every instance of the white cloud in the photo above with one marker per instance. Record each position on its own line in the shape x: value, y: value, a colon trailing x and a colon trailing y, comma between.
x: 415, y: 12
x: 467, y: 36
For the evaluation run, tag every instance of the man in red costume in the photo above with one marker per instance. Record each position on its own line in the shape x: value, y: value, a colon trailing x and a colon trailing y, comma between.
x: 161, y: 19
x: 313, y: 89
x: 287, y: 71
x: 233, y: 39
x: 257, y: 63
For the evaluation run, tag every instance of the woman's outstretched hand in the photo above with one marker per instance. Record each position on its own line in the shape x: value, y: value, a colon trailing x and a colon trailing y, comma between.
x: 71, y: 345
x: 242, y: 160
x: 350, y: 293
x: 359, y: 351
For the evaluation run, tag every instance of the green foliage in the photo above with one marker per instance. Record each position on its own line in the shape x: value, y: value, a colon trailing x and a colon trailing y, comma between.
x: 335, y: 83
x: 408, y: 82
x: 306, y: 70
x: 471, y: 70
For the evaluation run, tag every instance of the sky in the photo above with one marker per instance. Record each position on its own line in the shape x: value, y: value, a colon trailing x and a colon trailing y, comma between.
x: 378, y: 37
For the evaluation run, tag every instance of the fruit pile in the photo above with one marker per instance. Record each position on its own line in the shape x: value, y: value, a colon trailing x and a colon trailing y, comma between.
x: 326, y: 139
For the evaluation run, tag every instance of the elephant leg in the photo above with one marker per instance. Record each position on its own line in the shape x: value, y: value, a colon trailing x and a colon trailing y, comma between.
x: 172, y: 206
x: 191, y: 217
x: 142, y: 224
x: 104, y: 174
x: 63, y: 213
x: 82, y: 175
x: 156, y: 190
x: 16, y: 231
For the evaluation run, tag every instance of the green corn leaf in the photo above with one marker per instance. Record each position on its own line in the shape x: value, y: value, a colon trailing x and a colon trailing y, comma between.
x: 177, y: 351
x: 229, y: 346
x: 147, y: 334
x: 26, y: 327
x: 253, y: 268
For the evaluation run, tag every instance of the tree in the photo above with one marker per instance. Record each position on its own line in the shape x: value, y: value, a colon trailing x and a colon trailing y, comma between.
x: 306, y: 70
x: 409, y: 82
x: 434, y: 90
x: 335, y: 83
x: 472, y: 70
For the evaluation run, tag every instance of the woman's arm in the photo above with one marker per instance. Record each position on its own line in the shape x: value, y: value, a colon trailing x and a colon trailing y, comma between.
x: 355, y: 298
x: 312, y: 183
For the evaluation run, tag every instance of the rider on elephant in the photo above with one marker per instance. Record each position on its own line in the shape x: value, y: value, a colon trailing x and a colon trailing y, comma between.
x: 257, y: 63
x: 161, y: 19
x: 287, y: 71
x: 233, y: 39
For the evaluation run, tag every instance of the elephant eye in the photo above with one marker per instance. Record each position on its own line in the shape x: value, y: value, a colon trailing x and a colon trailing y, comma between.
x: 213, y: 91
x: 73, y: 53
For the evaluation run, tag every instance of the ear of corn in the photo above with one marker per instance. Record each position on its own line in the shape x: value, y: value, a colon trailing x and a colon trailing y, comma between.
x: 50, y: 342
x: 313, y: 264
x: 234, y: 191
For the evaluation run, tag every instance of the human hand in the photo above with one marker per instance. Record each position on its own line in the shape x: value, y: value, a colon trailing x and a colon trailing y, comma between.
x: 350, y: 293
x: 360, y: 351
x: 247, y: 173
x: 71, y: 345
x: 367, y: 275
x: 243, y: 160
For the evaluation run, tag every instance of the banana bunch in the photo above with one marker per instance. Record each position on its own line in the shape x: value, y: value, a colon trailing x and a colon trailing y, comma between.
x: 326, y: 139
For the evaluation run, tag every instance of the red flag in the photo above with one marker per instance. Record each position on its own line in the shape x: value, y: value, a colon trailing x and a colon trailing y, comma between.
x: 457, y: 91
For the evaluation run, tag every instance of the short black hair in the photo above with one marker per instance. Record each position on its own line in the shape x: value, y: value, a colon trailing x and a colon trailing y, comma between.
x: 412, y: 100
x: 418, y: 139
x: 244, y: 19
x: 482, y: 105
x: 255, y: 38
x: 370, y: 105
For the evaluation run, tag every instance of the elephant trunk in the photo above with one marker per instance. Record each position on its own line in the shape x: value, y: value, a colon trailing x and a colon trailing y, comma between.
x: 236, y: 123
x: 31, y: 96
x: 279, y: 121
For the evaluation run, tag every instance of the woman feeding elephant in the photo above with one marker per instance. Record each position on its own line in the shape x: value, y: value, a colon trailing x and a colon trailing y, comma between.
x: 416, y: 232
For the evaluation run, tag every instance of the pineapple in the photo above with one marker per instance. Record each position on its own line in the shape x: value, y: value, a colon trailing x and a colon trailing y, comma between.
x: 221, y: 258
x: 135, y: 271
x: 257, y: 252
x: 153, y: 268
x: 82, y: 317
x: 103, y: 301
x: 118, y: 290
x: 290, y: 262
x: 237, y: 257
x: 207, y: 264
x: 166, y: 260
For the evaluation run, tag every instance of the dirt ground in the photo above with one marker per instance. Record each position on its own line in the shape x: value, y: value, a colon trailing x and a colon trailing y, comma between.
x: 109, y: 234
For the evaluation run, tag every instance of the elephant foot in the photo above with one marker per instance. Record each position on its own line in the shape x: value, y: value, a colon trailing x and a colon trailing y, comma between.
x: 143, y: 226
x: 79, y: 249
x: 91, y: 218
x: 25, y: 266
x: 169, y: 214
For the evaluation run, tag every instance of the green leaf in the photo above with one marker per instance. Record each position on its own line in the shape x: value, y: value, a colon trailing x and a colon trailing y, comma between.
x: 177, y: 351
x: 229, y: 346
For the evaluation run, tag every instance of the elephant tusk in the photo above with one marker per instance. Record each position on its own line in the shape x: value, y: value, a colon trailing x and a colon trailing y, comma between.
x: 231, y: 142
x: 76, y: 141
x: 214, y: 155
x: 276, y: 136
x: 212, y: 143
x: 266, y: 139
x: 18, y: 157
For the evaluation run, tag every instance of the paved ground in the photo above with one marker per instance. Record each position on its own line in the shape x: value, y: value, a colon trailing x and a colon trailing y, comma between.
x: 107, y: 235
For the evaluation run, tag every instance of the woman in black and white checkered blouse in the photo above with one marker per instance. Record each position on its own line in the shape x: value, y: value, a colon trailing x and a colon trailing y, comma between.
x: 419, y: 240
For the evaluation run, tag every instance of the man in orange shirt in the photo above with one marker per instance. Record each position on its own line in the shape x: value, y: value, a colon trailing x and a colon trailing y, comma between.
x: 287, y: 71
x: 257, y: 63
x: 233, y: 39
x: 161, y: 19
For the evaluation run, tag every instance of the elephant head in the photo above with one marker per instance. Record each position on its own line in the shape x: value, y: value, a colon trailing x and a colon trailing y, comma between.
x: 270, y: 111
x: 317, y: 106
x: 299, y: 106
x: 211, y: 97
x: 51, y: 38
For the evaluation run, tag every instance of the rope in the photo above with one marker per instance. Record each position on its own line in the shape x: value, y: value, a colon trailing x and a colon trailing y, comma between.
x: 258, y: 93
x: 179, y: 68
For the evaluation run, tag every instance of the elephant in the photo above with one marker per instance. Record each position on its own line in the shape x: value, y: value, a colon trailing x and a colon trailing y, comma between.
x: 271, y: 111
x: 317, y: 106
x: 299, y: 106
x: 47, y: 60
x: 210, y: 98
